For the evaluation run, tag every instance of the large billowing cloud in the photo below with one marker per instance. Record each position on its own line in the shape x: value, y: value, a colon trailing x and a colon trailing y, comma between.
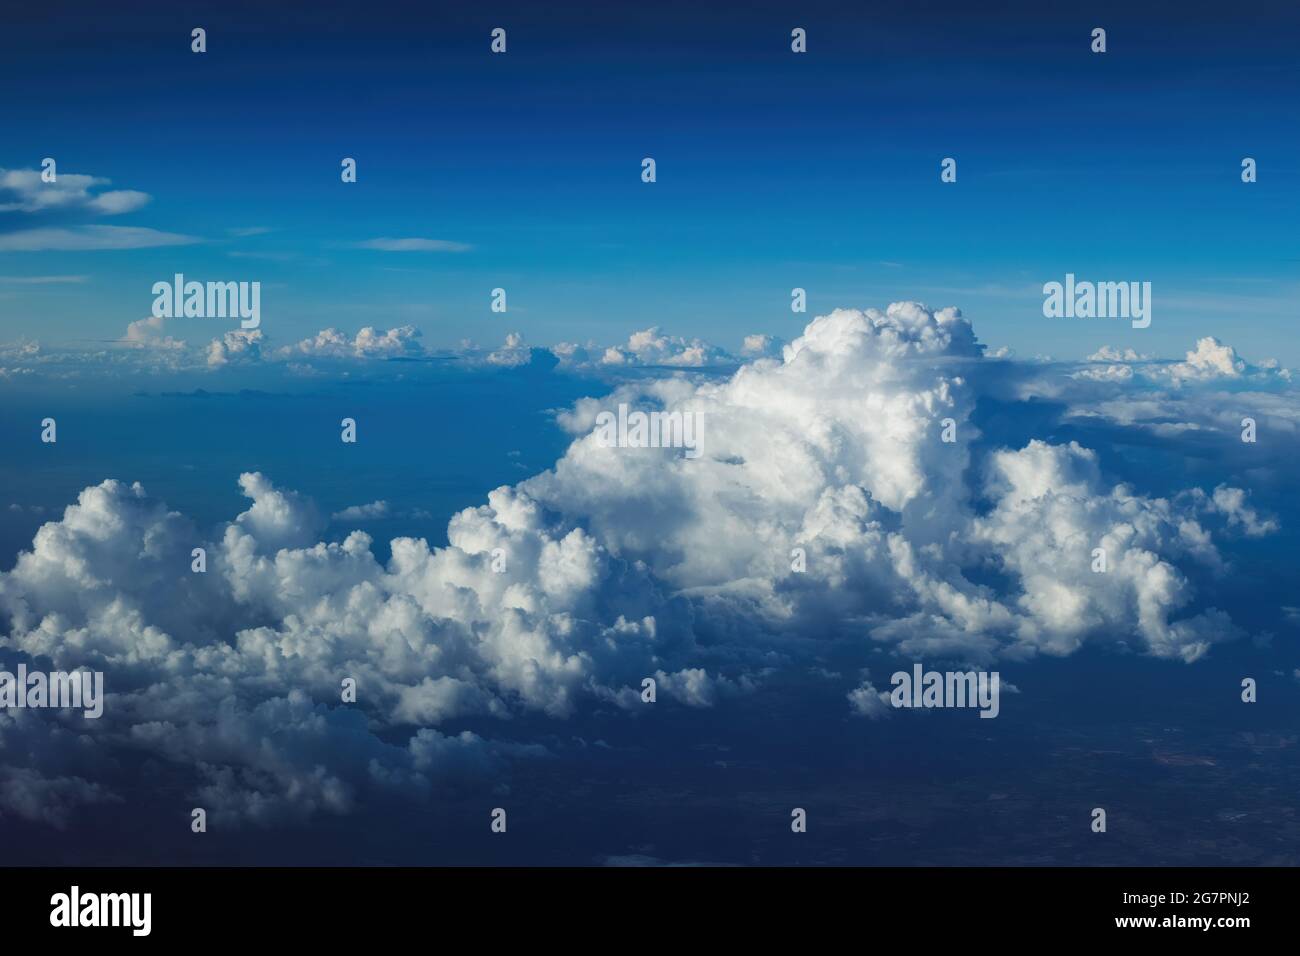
x: 838, y: 494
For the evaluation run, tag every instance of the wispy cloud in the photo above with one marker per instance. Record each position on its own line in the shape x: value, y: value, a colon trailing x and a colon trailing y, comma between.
x: 23, y: 190
x: 42, y: 280
x: 385, y: 244
x: 275, y: 257
x: 86, y: 238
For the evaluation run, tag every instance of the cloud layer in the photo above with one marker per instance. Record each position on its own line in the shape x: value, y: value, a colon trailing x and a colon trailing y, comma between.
x: 842, y: 494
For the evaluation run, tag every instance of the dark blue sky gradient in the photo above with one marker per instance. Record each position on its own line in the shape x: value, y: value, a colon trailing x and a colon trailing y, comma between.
x: 775, y: 170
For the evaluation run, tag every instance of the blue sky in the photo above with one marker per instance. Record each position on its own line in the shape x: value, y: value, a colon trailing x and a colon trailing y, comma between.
x: 774, y: 170
x: 519, y: 685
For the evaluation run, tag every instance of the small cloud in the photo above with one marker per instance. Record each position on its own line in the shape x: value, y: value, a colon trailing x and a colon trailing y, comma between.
x: 368, y: 343
x: 148, y: 333
x: 513, y: 353
x: 371, y: 512
x: 240, y: 346
x: 649, y: 347
x: 23, y: 190
x: 866, y: 701
x: 117, y: 202
x: 762, y: 346
x: 1210, y: 359
x: 1108, y: 353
